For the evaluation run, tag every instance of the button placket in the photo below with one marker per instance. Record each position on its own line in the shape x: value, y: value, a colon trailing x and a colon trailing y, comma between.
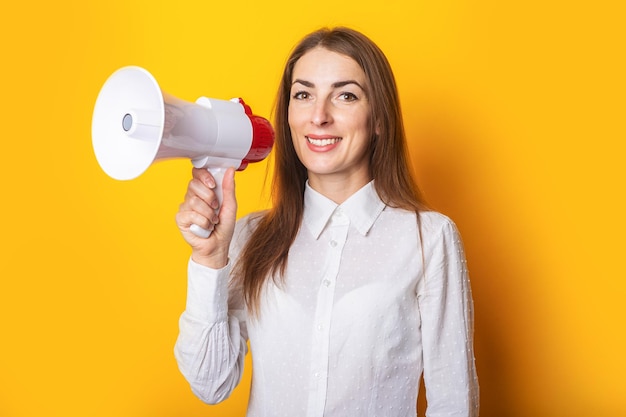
x: 337, y: 233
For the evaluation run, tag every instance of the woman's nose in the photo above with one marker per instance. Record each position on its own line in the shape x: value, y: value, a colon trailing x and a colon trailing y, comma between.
x: 321, y: 113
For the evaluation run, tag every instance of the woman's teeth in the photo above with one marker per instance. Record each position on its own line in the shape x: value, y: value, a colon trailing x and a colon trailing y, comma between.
x: 322, y: 142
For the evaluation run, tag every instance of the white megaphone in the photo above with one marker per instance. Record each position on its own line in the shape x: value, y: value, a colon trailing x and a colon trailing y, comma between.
x: 135, y: 124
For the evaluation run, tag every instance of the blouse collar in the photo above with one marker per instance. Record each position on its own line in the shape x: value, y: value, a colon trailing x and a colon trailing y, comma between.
x: 362, y: 208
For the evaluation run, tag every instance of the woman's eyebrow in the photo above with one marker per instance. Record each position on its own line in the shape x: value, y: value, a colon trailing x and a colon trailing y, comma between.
x: 337, y: 84
x: 340, y: 84
x: 303, y: 82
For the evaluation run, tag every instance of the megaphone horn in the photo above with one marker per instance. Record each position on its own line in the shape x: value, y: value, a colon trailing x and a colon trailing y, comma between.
x: 135, y: 124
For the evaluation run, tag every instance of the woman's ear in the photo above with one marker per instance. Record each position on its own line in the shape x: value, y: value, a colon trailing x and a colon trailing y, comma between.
x: 377, y: 128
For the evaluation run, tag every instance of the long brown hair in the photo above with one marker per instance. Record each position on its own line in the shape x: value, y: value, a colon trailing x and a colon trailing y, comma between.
x: 266, y: 252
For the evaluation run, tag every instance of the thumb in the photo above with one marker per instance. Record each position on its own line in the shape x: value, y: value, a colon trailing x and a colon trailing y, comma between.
x: 228, y: 210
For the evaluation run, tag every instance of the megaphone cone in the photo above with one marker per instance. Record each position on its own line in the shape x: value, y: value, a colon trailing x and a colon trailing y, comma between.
x: 124, y: 142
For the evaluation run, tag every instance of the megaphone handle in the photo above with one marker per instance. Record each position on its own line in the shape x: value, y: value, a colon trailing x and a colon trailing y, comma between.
x: 218, y: 175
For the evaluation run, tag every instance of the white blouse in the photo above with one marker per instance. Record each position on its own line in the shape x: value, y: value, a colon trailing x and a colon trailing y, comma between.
x: 365, y: 308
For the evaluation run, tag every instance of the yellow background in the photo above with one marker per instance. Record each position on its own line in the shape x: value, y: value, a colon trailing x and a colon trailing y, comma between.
x: 515, y: 113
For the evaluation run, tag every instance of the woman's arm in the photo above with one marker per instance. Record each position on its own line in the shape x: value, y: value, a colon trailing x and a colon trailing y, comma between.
x: 211, y: 344
x: 446, y: 308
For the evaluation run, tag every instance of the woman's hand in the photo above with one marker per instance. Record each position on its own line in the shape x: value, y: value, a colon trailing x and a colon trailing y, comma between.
x: 201, y: 208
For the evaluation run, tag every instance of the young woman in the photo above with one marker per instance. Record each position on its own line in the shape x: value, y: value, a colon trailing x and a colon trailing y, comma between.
x: 348, y: 288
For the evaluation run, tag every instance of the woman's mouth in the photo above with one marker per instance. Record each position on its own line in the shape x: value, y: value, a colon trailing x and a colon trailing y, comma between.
x: 326, y: 141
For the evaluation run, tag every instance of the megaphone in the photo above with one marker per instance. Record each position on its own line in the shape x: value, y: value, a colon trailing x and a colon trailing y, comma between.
x: 135, y: 123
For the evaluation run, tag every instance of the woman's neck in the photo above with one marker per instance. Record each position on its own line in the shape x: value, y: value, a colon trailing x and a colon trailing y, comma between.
x: 337, y: 188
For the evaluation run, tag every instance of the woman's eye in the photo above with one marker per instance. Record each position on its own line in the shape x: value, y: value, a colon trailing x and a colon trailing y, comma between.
x: 301, y: 95
x: 348, y: 96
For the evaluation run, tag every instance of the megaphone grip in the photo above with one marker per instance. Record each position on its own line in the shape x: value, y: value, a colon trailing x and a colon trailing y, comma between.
x: 218, y: 175
x: 199, y: 231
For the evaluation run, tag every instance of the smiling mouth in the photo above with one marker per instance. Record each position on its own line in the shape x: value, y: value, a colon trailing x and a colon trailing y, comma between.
x: 322, y: 142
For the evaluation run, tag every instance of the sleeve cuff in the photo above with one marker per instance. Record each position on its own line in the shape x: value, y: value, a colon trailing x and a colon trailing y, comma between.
x: 207, y: 292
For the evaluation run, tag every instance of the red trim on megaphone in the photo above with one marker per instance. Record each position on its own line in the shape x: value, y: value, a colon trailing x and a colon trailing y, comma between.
x: 262, y: 137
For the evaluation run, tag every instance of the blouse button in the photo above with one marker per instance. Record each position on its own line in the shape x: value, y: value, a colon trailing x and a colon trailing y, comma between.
x: 333, y: 243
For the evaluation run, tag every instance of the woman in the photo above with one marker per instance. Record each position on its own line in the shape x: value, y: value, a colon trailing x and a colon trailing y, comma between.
x: 348, y: 288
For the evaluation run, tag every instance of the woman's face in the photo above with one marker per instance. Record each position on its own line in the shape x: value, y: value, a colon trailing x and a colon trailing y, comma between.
x: 329, y: 116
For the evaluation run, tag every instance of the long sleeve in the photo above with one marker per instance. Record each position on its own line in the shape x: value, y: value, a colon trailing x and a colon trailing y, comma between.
x: 211, y: 344
x: 446, y: 309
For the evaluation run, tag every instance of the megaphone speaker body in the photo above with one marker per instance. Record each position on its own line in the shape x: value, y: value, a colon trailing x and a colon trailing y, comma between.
x: 135, y: 124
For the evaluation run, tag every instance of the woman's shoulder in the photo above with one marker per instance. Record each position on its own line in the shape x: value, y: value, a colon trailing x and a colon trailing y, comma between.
x: 246, y: 224
x: 243, y: 230
x: 437, y: 228
x: 428, y: 219
x: 433, y: 226
x: 250, y: 219
x: 434, y: 220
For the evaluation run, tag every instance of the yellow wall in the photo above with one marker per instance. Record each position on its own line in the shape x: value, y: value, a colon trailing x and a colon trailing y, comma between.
x: 516, y: 115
